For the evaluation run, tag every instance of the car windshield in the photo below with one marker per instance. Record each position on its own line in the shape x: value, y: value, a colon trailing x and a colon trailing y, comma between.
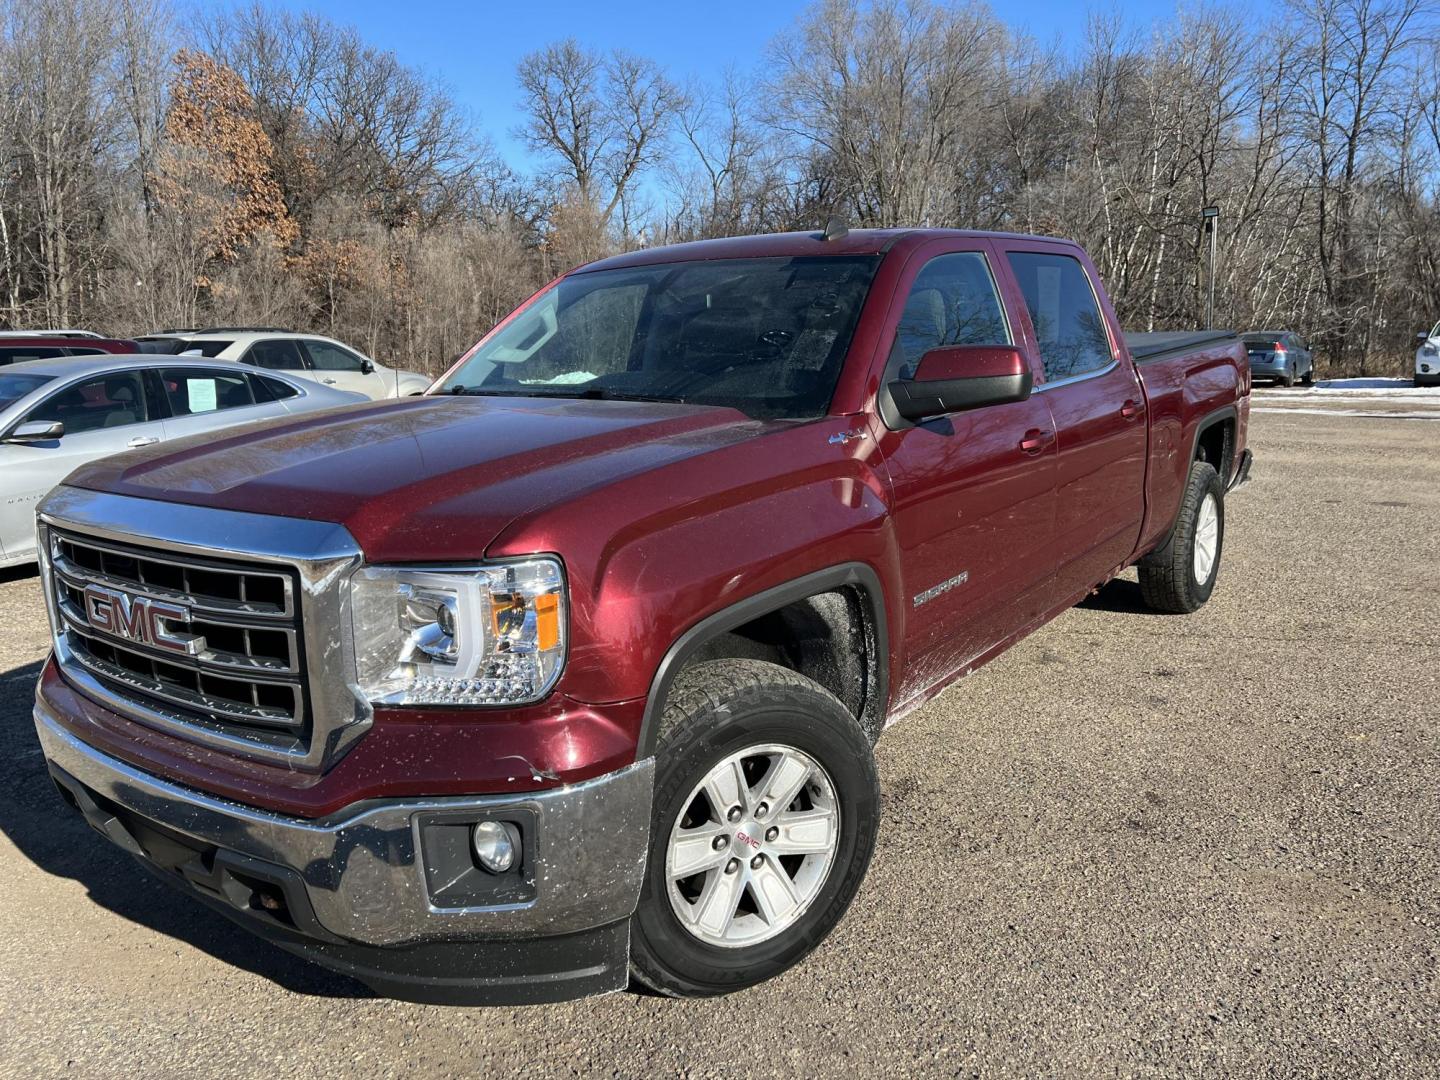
x: 765, y: 336
x: 14, y: 386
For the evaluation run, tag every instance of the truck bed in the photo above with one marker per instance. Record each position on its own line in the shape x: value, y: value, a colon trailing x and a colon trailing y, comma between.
x: 1162, y: 343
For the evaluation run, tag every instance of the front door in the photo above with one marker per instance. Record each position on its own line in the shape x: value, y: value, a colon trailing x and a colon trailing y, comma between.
x: 337, y: 366
x: 973, y: 492
x: 102, y: 416
x: 1098, y: 406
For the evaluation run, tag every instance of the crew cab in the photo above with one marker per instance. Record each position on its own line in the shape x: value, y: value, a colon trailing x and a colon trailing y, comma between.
x: 569, y: 672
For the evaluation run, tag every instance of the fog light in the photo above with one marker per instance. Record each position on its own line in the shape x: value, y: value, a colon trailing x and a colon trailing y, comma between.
x: 496, y: 845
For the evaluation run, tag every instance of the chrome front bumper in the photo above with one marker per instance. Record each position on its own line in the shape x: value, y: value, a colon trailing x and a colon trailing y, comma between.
x: 363, y: 871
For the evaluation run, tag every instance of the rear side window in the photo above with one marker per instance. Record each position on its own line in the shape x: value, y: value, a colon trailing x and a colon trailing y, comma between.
x: 17, y: 354
x: 192, y: 392
x: 953, y: 302
x: 272, y: 389
x: 278, y: 354
x: 1064, y: 312
x: 76, y: 350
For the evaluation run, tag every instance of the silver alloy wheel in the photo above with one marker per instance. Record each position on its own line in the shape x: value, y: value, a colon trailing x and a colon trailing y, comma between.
x: 753, y: 846
x: 1207, y: 538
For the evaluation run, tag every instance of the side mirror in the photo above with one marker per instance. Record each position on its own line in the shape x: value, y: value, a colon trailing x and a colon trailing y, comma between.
x: 1422, y: 336
x: 36, y: 431
x: 956, y: 377
x: 367, y: 367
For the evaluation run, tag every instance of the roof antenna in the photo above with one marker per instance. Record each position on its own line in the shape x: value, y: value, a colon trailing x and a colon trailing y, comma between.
x: 835, y: 229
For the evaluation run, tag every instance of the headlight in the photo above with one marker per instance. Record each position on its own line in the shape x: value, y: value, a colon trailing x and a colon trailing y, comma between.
x: 487, y: 635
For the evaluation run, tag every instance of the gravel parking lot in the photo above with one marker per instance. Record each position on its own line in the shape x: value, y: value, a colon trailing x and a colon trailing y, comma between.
x: 1136, y: 844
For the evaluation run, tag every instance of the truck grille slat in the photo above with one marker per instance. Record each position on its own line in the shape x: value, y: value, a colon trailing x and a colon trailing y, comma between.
x: 240, y: 666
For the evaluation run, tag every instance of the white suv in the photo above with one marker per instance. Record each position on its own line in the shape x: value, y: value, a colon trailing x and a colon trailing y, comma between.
x: 308, y: 356
x: 1427, y: 358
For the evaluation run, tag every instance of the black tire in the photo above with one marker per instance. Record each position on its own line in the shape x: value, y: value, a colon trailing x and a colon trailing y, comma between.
x: 717, y: 709
x: 1167, y: 575
x: 1289, y: 377
x: 1308, y: 379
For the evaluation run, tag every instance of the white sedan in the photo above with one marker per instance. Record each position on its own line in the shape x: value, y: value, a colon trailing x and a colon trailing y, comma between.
x: 56, y: 415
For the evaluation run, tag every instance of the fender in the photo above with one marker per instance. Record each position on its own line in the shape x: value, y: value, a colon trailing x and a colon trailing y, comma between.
x: 856, y: 575
x: 1219, y: 416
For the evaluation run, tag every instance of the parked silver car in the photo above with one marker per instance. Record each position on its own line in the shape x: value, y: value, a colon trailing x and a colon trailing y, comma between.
x: 55, y: 415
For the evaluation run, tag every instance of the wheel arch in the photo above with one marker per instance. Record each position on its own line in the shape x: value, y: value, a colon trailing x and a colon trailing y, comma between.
x: 790, y: 605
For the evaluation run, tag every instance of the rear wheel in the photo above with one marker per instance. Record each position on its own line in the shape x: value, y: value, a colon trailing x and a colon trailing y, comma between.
x: 1289, y: 377
x: 1180, y: 576
x: 1308, y: 379
x: 766, y: 807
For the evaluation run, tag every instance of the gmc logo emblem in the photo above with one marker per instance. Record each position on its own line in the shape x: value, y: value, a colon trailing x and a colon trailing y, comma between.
x: 140, y: 619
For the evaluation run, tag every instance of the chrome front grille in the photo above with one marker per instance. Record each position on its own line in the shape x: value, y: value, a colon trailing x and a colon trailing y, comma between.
x: 228, y: 629
x: 245, y: 667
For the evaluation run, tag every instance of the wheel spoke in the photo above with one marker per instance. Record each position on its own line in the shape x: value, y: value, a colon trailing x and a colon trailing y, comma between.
x: 715, y: 909
x: 774, y: 892
x: 783, y: 782
x: 804, y: 832
x: 726, y: 788
x: 693, y: 850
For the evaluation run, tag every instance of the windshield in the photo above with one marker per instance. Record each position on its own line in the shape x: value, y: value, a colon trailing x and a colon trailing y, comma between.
x: 765, y: 336
x: 14, y: 386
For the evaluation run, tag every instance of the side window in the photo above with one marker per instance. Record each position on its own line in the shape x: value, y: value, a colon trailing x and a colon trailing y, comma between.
x: 953, y: 302
x: 110, y: 401
x: 1064, y: 312
x: 78, y: 350
x: 327, y: 357
x: 278, y: 354
x: 16, y: 354
x: 192, y: 391
x: 271, y: 389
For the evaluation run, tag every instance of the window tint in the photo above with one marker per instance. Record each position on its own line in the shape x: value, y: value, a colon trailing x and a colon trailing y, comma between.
x: 16, y: 354
x: 1067, y: 321
x: 109, y: 401
x: 327, y: 357
x: 279, y: 354
x: 77, y: 350
x: 271, y: 389
x: 953, y: 302
x: 193, y: 392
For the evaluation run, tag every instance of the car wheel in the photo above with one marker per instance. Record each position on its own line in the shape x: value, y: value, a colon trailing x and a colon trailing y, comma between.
x: 765, y: 812
x: 1180, y: 575
x: 1308, y: 379
x: 1289, y: 377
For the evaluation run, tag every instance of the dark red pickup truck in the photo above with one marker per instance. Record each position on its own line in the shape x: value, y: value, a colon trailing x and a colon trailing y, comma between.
x: 570, y: 672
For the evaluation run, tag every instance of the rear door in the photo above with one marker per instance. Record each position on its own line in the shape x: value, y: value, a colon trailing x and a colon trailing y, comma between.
x: 202, y: 399
x: 278, y: 354
x: 1098, y: 406
x: 334, y: 365
x: 102, y: 416
x: 973, y: 492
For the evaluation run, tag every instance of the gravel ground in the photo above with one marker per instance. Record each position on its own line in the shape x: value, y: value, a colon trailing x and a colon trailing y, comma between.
x: 1134, y: 845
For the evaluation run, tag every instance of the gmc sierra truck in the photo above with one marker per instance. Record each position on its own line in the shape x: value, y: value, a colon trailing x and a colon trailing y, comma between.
x: 569, y: 672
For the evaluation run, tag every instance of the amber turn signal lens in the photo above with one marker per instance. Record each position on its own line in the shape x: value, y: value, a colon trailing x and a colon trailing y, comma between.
x: 547, y: 622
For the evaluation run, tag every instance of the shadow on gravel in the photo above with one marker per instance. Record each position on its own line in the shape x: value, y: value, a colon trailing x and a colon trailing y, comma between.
x: 20, y: 573
x: 1120, y: 596
x: 57, y: 840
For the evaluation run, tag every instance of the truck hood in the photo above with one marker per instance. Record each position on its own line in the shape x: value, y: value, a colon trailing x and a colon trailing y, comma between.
x: 422, y: 479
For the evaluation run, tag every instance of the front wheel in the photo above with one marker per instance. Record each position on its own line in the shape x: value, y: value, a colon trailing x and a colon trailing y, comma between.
x: 1180, y: 575
x: 766, y: 808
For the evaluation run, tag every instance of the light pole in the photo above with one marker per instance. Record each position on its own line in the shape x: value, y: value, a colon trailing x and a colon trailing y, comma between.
x: 1210, y: 216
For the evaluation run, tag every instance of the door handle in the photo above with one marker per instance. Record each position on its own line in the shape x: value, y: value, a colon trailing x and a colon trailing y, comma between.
x: 1130, y: 410
x: 142, y: 440
x: 328, y: 382
x: 1036, y: 440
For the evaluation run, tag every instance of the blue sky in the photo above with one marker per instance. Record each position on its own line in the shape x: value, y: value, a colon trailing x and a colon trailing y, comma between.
x: 473, y: 47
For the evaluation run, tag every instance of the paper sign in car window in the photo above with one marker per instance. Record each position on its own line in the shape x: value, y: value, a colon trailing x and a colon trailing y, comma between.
x: 202, y: 394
